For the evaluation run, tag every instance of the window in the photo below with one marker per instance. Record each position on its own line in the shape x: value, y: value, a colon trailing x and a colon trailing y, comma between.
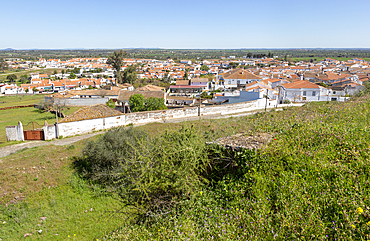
x: 304, y: 93
x: 334, y: 92
x: 229, y: 82
x: 313, y: 93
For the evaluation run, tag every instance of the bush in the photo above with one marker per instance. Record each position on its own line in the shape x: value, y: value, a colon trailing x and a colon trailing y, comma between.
x: 110, y: 103
x: 286, y: 101
x: 150, y: 175
x: 139, y: 103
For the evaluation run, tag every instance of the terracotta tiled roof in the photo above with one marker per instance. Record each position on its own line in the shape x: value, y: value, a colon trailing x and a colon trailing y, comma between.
x: 125, y: 94
x: 301, y: 84
x: 202, y: 80
x: 91, y: 112
x: 150, y: 88
x: 241, y: 74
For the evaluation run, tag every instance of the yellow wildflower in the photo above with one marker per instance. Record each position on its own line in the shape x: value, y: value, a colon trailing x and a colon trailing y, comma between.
x: 368, y: 223
x: 353, y: 226
x: 360, y: 210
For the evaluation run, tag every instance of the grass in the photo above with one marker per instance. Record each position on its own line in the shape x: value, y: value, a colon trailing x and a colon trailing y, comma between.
x: 297, y: 59
x: 17, y: 100
x: 25, y: 115
x: 310, y: 183
x: 28, y: 72
x: 43, y: 179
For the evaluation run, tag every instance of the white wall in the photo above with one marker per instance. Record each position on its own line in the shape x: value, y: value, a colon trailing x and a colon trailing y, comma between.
x: 86, y: 126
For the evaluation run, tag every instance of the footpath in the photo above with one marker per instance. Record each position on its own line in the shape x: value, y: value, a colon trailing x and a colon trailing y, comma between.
x: 8, y: 150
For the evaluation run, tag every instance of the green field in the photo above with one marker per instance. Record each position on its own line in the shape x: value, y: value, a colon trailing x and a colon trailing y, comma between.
x: 307, y: 59
x: 309, y: 183
x: 11, y: 117
x: 17, y: 100
x: 28, y: 73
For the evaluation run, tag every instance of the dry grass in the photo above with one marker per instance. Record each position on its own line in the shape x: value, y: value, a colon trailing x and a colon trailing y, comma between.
x: 31, y: 170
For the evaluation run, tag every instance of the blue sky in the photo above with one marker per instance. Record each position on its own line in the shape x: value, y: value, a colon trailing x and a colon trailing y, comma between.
x: 185, y: 24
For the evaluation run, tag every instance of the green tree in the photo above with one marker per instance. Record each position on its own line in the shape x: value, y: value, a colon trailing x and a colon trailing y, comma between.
x: 110, y: 103
x: 24, y: 79
x: 11, y: 77
x: 130, y: 74
x: 186, y: 74
x: 63, y: 71
x: 204, y: 67
x: 136, y: 102
x: 116, y: 60
x: 3, y: 65
x: 72, y: 75
x: 153, y: 103
x: 55, y: 72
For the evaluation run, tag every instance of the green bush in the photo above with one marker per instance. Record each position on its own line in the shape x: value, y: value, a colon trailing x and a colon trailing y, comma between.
x: 139, y: 103
x: 110, y: 103
x: 151, y: 176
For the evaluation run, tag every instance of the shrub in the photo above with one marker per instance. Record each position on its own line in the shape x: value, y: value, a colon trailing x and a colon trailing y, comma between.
x: 286, y: 101
x: 150, y: 175
x: 110, y: 103
x: 139, y: 103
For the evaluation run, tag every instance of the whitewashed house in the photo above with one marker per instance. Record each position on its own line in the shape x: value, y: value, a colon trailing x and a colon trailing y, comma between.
x: 302, y: 91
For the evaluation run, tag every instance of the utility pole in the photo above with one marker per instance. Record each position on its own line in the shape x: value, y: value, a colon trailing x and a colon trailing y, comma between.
x: 267, y: 96
x: 278, y: 100
x: 200, y: 101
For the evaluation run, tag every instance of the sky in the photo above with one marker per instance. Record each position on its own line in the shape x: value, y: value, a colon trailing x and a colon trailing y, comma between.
x: 189, y: 24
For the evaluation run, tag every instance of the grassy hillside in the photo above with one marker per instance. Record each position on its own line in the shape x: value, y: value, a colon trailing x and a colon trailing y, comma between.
x: 309, y: 183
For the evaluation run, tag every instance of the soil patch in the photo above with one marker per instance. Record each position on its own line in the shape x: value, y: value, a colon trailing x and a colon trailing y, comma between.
x: 244, y: 141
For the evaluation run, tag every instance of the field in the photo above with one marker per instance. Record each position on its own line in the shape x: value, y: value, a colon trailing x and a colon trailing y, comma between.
x: 17, y: 100
x: 309, y: 183
x: 28, y: 73
x: 25, y: 115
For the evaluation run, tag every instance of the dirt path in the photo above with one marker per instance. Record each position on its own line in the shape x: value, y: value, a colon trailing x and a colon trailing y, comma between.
x: 8, y: 150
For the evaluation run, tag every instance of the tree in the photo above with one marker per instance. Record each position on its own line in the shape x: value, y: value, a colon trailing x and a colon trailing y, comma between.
x: 110, y: 103
x: 63, y: 71
x: 3, y: 65
x: 72, y: 75
x: 35, y: 90
x: 129, y: 74
x: 26, y: 90
x: 153, y: 103
x: 136, y: 102
x: 204, y: 67
x: 249, y: 55
x: 55, y: 72
x: 116, y: 60
x: 186, y: 74
x: 139, y: 103
x: 11, y: 77
x: 24, y: 79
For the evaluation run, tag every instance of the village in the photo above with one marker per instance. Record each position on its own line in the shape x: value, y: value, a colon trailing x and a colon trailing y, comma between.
x: 227, y: 80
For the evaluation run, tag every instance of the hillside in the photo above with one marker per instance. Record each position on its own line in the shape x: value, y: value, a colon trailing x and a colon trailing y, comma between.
x: 309, y: 182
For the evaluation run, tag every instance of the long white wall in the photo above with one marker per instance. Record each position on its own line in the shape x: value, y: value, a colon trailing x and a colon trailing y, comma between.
x: 86, y: 126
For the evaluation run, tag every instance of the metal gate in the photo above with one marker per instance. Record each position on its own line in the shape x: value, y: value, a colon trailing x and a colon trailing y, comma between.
x: 33, y: 131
